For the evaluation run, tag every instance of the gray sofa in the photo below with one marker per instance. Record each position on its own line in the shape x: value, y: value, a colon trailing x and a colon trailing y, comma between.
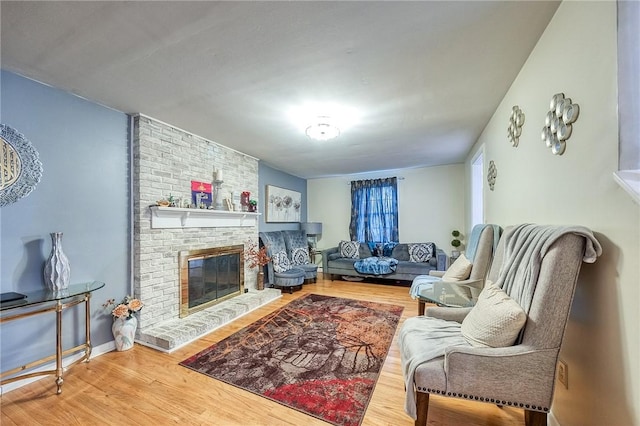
x: 333, y: 264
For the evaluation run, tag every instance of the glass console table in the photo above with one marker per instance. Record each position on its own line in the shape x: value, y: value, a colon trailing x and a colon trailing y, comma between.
x: 40, y: 302
x: 447, y: 294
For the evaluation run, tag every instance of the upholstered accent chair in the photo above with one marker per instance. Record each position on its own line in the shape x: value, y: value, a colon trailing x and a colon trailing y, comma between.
x: 298, y: 251
x: 280, y: 271
x: 537, y: 267
x: 480, y: 250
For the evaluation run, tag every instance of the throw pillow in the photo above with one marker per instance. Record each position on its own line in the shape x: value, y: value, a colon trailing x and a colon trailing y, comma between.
x: 350, y: 249
x: 495, y: 321
x: 459, y: 270
x: 300, y: 256
x: 420, y: 252
x: 281, y: 262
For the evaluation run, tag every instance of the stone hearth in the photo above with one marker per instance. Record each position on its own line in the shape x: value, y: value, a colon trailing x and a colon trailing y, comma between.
x: 173, y: 334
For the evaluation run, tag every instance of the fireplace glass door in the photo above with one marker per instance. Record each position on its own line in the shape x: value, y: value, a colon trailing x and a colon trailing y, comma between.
x: 213, y: 278
x: 209, y: 276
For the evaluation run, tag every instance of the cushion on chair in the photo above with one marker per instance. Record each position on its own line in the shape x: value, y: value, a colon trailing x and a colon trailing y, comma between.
x: 280, y: 261
x: 310, y: 270
x: 459, y: 270
x: 300, y: 256
x: 350, y: 249
x: 420, y: 252
x: 290, y: 278
x: 495, y: 320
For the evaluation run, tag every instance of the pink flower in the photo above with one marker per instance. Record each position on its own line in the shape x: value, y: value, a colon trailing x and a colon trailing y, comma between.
x: 124, y: 309
x: 135, y: 305
x: 121, y: 311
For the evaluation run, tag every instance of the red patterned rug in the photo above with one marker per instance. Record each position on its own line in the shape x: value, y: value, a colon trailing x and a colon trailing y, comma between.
x: 318, y: 354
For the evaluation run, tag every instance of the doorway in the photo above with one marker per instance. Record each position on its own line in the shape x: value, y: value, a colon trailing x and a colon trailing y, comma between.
x: 477, y: 187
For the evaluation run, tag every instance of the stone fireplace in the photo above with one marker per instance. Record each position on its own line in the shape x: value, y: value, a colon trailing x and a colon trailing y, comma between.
x: 165, y: 161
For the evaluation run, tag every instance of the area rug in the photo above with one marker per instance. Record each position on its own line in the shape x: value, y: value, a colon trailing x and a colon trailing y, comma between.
x: 318, y: 354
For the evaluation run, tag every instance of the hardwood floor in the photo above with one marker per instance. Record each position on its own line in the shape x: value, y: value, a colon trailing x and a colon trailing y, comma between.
x: 144, y: 386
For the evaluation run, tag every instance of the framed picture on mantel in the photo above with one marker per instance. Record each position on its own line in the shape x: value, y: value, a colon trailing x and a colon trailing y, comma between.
x: 283, y: 205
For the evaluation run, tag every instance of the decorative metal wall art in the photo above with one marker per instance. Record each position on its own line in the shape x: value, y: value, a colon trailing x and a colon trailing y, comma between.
x: 492, y: 174
x: 20, y: 168
x: 557, y: 124
x: 516, y: 121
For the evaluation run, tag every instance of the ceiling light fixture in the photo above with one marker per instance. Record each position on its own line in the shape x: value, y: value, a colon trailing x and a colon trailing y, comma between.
x: 323, y: 121
x: 322, y: 130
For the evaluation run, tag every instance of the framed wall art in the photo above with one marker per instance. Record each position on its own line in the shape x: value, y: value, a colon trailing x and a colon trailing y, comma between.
x: 283, y: 205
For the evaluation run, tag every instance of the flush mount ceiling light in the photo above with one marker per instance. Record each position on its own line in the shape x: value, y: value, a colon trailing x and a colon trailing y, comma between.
x: 323, y: 121
x: 322, y: 130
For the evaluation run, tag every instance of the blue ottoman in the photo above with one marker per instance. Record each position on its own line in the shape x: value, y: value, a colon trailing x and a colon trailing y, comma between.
x: 294, y: 277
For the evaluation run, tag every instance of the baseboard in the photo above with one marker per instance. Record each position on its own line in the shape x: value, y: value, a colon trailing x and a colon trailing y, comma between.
x: 551, y: 420
x: 95, y: 352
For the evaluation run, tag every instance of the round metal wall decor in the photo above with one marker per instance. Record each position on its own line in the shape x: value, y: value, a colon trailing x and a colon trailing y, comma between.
x: 558, y: 123
x: 492, y: 174
x: 20, y: 168
x: 516, y: 121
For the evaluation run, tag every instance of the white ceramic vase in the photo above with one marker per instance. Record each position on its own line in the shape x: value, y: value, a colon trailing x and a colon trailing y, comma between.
x: 56, y: 269
x: 124, y: 332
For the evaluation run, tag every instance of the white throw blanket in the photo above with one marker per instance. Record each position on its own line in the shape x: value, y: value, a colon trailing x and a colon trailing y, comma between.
x: 422, y: 339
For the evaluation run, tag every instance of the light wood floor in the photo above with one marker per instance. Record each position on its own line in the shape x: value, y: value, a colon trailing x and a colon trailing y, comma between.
x: 144, y: 386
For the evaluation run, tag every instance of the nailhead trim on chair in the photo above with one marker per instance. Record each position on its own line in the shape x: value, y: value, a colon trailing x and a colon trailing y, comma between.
x: 483, y: 399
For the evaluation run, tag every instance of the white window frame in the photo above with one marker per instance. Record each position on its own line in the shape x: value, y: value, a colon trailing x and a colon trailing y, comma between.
x: 628, y: 174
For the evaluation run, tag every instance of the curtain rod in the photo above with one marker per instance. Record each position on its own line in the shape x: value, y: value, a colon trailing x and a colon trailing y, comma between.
x: 397, y: 177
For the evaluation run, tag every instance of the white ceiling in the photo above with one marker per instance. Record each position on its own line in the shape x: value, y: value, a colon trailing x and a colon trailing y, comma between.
x: 425, y: 76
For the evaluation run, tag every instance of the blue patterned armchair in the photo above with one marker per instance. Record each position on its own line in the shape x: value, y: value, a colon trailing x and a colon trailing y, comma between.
x: 281, y: 272
x: 298, y: 251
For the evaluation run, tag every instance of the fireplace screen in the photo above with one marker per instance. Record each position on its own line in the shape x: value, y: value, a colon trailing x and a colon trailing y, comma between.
x: 209, y: 276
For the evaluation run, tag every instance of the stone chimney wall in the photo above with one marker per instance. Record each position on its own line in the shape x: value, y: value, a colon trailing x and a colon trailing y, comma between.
x: 165, y: 161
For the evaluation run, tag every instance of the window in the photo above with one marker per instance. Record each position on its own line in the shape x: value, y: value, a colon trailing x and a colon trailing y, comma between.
x: 374, y: 210
x: 628, y: 175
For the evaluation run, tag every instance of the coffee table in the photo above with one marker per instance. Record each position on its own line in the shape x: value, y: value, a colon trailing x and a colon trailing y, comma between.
x: 447, y: 294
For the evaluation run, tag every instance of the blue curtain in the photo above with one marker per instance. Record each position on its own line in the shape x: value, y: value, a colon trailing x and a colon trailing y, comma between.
x: 374, y: 210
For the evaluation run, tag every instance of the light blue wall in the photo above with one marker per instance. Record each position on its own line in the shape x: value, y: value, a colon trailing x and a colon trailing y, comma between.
x: 269, y: 176
x: 84, y: 193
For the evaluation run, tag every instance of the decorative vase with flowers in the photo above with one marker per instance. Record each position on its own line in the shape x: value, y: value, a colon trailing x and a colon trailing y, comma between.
x: 125, y: 322
x: 256, y: 258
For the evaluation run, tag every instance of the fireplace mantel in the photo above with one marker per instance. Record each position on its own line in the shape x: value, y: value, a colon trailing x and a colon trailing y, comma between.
x: 174, y: 217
